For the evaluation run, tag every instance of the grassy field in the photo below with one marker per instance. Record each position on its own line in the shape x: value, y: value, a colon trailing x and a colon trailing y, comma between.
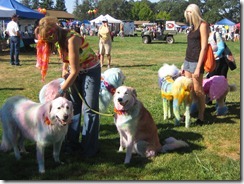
x: 214, y: 152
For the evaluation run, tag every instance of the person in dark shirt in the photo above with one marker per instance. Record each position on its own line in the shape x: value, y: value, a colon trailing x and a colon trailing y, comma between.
x: 197, y: 43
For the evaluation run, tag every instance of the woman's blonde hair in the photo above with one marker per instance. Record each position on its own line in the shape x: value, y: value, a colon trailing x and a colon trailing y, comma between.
x: 48, y: 28
x: 193, y: 16
x: 50, y: 32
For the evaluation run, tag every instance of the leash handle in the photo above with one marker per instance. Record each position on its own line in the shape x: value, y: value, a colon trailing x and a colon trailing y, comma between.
x: 83, y: 100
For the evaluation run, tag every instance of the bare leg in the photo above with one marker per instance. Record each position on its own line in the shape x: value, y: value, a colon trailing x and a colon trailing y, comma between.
x: 101, y: 60
x: 109, y: 60
x: 200, y: 96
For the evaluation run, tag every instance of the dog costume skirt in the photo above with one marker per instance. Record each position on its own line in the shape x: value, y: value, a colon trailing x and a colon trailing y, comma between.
x: 215, y: 86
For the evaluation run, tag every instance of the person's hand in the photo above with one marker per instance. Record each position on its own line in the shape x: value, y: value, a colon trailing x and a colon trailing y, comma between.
x: 61, y: 93
x: 196, y: 73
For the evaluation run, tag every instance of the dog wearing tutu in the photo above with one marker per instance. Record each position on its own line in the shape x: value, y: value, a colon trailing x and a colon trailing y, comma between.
x: 217, y: 88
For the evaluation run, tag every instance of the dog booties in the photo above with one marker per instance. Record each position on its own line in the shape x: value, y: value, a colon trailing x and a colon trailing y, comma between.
x: 50, y: 90
x: 221, y: 111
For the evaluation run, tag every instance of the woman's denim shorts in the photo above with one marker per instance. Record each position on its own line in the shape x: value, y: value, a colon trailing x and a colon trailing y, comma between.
x: 191, y: 67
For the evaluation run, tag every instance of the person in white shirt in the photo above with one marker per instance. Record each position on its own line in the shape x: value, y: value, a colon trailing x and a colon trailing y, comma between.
x: 83, y: 30
x: 14, y: 41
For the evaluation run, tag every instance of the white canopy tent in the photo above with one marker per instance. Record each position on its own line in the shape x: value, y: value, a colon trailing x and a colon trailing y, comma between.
x: 110, y: 19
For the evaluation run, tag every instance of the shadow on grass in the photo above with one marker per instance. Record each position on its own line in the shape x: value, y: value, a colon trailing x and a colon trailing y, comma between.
x: 233, y: 113
x: 136, y: 65
x: 10, y: 89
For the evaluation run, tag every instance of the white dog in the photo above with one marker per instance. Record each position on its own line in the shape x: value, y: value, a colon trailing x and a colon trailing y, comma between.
x: 43, y: 123
x: 111, y: 79
x: 136, y: 127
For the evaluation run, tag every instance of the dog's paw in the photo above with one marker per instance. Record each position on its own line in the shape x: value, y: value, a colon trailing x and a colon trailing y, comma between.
x: 221, y: 111
x: 120, y: 149
x: 150, y: 153
x: 41, y: 170
x: 59, y: 163
x: 126, y: 162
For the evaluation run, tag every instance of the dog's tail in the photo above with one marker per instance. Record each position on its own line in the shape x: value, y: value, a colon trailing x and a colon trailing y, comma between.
x: 232, y: 87
x: 172, y: 144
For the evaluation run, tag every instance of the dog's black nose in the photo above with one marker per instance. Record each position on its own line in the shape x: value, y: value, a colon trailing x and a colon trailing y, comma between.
x: 66, y: 117
x: 120, y: 99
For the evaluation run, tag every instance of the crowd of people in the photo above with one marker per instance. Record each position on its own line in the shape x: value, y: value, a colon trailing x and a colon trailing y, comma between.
x: 228, y: 33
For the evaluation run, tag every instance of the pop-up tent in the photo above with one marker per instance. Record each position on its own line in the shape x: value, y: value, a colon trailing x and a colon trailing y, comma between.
x: 19, y: 9
x: 6, y: 12
x: 110, y: 19
x: 225, y: 22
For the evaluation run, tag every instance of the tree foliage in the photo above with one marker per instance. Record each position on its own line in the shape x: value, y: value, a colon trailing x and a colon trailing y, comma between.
x: 60, y: 5
x: 35, y: 4
x: 212, y: 10
x: 47, y: 4
x: 27, y: 3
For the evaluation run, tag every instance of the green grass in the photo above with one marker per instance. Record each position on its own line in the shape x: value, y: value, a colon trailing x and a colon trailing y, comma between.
x: 214, y: 152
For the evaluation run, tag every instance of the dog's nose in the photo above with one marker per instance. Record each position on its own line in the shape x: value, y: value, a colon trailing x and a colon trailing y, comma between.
x: 120, y: 99
x: 66, y: 117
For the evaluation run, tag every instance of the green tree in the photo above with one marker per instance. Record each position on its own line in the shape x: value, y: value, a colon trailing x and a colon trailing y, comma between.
x: 216, y: 10
x: 212, y: 10
x: 35, y: 4
x: 60, y: 5
x: 142, y: 11
x: 81, y: 10
x: 27, y: 3
x: 163, y: 15
x: 48, y: 4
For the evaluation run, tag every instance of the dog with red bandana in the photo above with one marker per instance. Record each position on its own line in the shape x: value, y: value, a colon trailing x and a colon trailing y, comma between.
x: 137, y: 129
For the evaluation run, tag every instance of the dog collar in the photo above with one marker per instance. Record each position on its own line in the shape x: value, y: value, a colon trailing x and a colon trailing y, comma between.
x: 119, y: 112
x: 109, y: 87
x: 47, y: 121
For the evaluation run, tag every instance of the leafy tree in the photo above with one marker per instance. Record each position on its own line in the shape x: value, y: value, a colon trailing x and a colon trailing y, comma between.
x: 174, y: 8
x: 142, y: 11
x: 27, y: 3
x: 163, y: 15
x: 35, y: 4
x: 212, y: 10
x: 216, y: 10
x: 81, y: 10
x: 48, y: 4
x: 60, y: 5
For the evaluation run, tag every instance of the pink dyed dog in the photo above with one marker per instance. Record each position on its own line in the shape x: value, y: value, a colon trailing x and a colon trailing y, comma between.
x: 42, y: 123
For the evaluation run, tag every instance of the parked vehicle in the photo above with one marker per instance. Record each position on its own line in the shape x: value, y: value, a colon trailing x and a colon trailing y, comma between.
x: 159, y: 31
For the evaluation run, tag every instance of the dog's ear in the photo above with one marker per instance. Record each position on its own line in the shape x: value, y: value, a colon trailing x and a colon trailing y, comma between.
x: 133, y: 91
